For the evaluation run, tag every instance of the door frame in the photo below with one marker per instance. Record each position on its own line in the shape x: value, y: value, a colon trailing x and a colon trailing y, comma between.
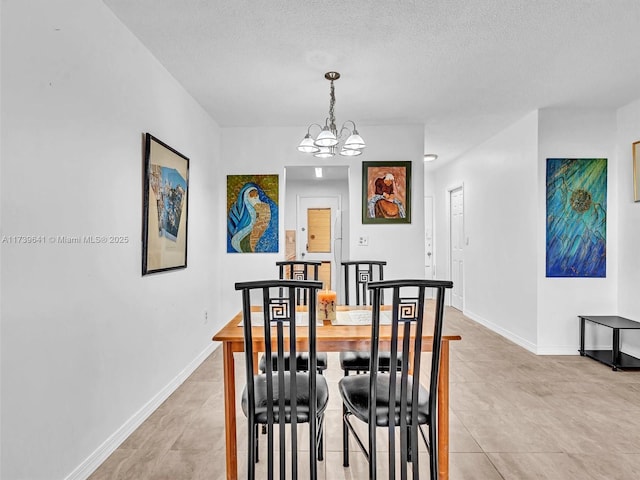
x: 450, y: 190
x: 429, y: 240
x: 336, y: 236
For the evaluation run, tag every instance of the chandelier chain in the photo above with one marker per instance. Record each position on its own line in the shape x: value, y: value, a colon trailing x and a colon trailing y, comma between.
x: 332, y: 117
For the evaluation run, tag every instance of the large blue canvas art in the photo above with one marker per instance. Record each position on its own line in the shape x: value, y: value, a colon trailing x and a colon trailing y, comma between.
x: 576, y: 217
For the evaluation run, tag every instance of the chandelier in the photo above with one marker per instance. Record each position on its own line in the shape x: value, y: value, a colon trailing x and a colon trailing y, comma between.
x: 329, y: 139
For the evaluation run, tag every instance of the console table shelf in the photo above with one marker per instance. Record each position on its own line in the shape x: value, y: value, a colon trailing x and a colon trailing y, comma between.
x: 614, y: 357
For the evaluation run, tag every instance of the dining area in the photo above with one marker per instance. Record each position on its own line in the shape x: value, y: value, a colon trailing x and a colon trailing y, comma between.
x: 387, y: 425
x: 512, y: 415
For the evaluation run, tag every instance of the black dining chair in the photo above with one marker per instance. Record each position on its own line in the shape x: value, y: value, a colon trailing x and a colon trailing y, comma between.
x: 357, y: 276
x: 299, y: 270
x: 280, y: 397
x: 395, y: 399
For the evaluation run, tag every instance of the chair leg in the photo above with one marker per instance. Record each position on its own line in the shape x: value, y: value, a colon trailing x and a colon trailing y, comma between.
x: 372, y: 452
x: 345, y: 439
x: 321, y: 439
x: 433, y: 451
x: 345, y: 433
x: 251, y: 467
x: 257, y: 455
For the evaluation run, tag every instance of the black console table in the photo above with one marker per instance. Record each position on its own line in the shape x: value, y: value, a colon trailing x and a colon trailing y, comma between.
x: 614, y: 357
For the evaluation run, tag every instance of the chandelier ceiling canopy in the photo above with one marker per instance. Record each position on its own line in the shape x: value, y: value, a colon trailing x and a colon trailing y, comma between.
x: 330, y: 140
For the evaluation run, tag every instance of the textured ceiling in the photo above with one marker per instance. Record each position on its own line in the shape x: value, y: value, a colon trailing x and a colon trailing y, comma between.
x: 464, y: 69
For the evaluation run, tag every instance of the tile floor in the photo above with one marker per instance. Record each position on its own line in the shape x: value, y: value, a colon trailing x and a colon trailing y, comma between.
x: 514, y: 416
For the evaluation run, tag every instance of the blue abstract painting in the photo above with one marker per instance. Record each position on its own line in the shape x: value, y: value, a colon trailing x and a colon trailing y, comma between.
x: 576, y: 217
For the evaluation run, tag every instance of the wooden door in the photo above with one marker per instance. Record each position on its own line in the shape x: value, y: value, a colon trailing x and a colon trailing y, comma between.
x: 318, y: 230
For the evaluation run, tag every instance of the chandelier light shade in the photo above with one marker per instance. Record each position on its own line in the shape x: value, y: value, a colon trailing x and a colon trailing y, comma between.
x: 326, y: 138
x: 307, y: 145
x: 330, y: 140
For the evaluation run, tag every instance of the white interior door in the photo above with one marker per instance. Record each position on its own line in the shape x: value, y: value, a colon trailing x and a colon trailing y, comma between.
x: 457, y: 246
x: 333, y: 253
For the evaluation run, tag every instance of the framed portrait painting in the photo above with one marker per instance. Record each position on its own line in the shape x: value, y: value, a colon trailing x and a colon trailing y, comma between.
x: 165, y: 207
x: 386, y: 192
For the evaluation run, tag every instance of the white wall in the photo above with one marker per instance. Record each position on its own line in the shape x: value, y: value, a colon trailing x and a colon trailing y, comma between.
x: 628, y: 132
x: 500, y: 208
x: 1, y: 223
x: 401, y: 245
x: 505, y: 221
x: 268, y: 150
x: 88, y: 345
x: 571, y: 133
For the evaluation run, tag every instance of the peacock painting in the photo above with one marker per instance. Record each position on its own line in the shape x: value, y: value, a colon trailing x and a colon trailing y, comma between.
x: 252, y: 214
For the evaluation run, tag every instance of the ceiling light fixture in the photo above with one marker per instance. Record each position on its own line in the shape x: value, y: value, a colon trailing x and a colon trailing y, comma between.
x: 327, y: 143
x: 430, y: 157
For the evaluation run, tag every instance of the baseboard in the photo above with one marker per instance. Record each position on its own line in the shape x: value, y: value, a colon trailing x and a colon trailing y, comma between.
x: 501, y: 331
x: 86, y: 468
x: 557, y: 350
x: 532, y: 347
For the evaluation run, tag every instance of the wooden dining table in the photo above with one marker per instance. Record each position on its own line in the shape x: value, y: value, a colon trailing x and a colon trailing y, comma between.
x: 330, y: 338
